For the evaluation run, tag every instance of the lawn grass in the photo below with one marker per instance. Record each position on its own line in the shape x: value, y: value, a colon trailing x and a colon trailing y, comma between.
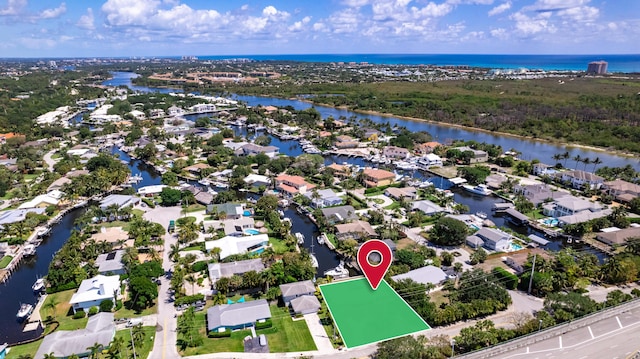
x: 535, y: 214
x: 352, y: 303
x: 194, y: 208
x: 18, y: 350
x: 234, y: 343
x: 4, y: 262
x: 198, y: 247
x: 147, y: 343
x: 394, y: 205
x: 287, y: 335
x: 279, y: 247
x: 63, y: 312
x: 124, y: 312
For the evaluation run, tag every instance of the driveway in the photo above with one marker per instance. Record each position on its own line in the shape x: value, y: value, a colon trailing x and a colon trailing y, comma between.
x: 48, y: 159
x: 320, y: 337
x: 164, y: 345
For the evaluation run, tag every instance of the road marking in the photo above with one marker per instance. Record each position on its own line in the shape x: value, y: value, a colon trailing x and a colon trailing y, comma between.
x: 560, y: 339
x: 620, y: 324
x: 164, y: 337
x: 591, y: 332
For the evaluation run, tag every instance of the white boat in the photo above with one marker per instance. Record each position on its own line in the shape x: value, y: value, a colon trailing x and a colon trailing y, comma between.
x: 24, y: 311
x: 481, y: 215
x: 204, y: 182
x: 314, y: 260
x: 29, y: 250
x: 338, y: 272
x: 135, y: 179
x: 320, y: 239
x: 300, y: 237
x: 480, y: 189
x: 281, y: 213
x: 38, y: 285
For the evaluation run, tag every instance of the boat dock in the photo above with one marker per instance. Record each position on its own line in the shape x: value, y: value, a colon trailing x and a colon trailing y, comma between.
x: 34, y: 321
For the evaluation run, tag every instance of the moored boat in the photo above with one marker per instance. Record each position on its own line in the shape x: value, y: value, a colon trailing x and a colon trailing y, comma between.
x: 480, y: 189
x: 38, y: 285
x: 24, y: 311
x: 300, y: 237
x: 338, y: 272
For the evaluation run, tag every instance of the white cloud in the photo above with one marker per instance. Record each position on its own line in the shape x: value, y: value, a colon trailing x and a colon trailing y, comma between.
x: 86, y: 21
x: 14, y: 7
x: 356, y: 3
x: 127, y: 12
x: 499, y: 33
x: 300, y: 25
x: 500, y: 8
x: 580, y: 13
x: 54, y: 13
x: 528, y: 26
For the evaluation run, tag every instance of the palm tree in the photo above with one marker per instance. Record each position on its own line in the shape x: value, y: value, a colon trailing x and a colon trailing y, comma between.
x: 578, y: 159
x: 219, y: 298
x: 191, y: 279
x: 557, y: 157
x: 51, y: 305
x: 138, y: 334
x: 565, y: 157
x: 596, y: 161
x: 50, y: 356
x: 174, y: 252
x: 586, y: 161
x: 95, y: 349
x: 215, y: 253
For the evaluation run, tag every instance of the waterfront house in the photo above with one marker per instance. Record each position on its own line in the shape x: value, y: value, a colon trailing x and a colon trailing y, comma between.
x: 323, y: 198
x: 340, y: 171
x: 376, y: 177
x: 429, y: 160
x: 622, y: 191
x: 426, y: 275
x: 579, y: 179
x: 494, y: 239
x: 232, y: 245
x: 292, y: 185
x: 203, y: 108
x: 340, y: 214
x: 358, y: 230
x: 251, y: 149
x: 94, y: 290
x: 294, y: 290
x: 138, y: 115
x: 256, y: 180
x: 100, y: 329
x: 568, y: 206
x: 237, y: 316
x: 539, y: 193
x: 427, y: 207
x: 237, y: 227
x: 478, y: 155
x: 58, y: 184
x: 43, y: 201
x: 204, y: 198
x: 409, y: 193
x: 197, y: 168
x: 156, y: 113
x: 175, y: 111
x: 619, y: 236
x: 541, y: 169
x: 111, y: 263
x: 344, y: 141
x: 17, y: 215
x: 230, y: 210
x: 149, y: 191
x: 228, y: 270
x: 119, y: 200
x: 396, y: 152
x: 474, y: 242
x: 426, y: 147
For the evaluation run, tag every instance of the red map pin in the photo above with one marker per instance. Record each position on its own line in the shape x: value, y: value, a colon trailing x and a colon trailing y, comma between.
x: 374, y: 271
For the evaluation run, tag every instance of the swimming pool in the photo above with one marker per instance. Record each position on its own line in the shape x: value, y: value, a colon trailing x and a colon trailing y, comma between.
x: 515, y: 247
x: 552, y: 222
x: 247, y: 213
x: 251, y: 231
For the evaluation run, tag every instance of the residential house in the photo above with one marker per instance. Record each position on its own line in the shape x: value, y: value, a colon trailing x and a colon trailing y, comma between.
x: 204, y: 198
x: 175, y: 111
x: 228, y: 270
x: 230, y: 210
x: 111, y: 263
x: 426, y: 275
x: 409, y: 193
x: 478, y: 155
x: 427, y: 207
x: 323, y: 198
x: 619, y: 237
x: 376, y: 177
x: 541, y: 169
x: 306, y: 304
x: 43, y: 201
x: 237, y: 316
x: 203, y: 108
x: 622, y: 191
x: 371, y: 134
x: 356, y: 230
x: 94, y: 290
x: 294, y: 290
x: 58, y: 184
x: 237, y: 227
x: 426, y: 148
x: 340, y: 171
x: 474, y: 242
x: 292, y: 185
x: 156, y: 113
x: 100, y: 329
x: 138, y: 115
x: 579, y: 179
x: 18, y: 215
x: 569, y: 205
x: 149, y: 191
x: 8, y: 162
x: 119, y: 200
x: 396, y: 152
x: 232, y: 245
x: 494, y: 239
x: 429, y: 160
x: 5, y: 136
x: 197, y: 168
x: 539, y: 193
x: 251, y: 149
x: 344, y: 141
x: 340, y: 214
x: 256, y: 180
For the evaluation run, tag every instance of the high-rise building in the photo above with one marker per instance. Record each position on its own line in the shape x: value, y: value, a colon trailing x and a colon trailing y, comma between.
x: 597, y: 67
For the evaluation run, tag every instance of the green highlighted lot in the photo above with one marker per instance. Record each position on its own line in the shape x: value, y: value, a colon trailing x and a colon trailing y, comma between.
x: 364, y: 316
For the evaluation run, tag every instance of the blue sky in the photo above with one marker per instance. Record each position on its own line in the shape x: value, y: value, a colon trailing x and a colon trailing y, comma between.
x: 53, y: 28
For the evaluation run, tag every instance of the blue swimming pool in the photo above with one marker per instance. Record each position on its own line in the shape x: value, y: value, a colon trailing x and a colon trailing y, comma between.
x: 515, y: 247
x: 550, y: 222
x: 251, y: 231
x: 247, y: 213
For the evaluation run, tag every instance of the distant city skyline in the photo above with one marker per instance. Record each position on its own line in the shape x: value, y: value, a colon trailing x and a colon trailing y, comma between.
x: 122, y: 28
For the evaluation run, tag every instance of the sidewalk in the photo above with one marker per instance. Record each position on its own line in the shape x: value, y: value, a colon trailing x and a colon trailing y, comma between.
x: 320, y: 337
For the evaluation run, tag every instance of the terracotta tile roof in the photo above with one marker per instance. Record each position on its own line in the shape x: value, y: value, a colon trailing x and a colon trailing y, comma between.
x: 378, y: 174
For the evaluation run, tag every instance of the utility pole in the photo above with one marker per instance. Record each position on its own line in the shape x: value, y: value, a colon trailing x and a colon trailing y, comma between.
x: 533, y: 267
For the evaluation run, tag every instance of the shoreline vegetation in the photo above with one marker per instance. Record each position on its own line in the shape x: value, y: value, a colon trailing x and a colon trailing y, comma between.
x: 596, y: 113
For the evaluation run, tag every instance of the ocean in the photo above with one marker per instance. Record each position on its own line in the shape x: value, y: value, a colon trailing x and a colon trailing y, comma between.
x: 617, y: 63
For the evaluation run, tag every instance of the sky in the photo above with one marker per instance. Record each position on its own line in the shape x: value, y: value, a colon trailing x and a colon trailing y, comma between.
x: 91, y: 28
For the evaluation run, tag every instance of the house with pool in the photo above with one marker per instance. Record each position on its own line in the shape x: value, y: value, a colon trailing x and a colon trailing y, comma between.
x: 223, y: 317
x: 230, y: 245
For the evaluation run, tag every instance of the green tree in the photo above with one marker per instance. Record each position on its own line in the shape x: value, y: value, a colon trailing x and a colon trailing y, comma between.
x: 170, y: 197
x: 169, y: 178
x: 448, y: 232
x: 142, y: 292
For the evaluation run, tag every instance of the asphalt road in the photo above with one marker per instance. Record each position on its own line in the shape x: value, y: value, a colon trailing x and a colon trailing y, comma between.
x: 612, y: 338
